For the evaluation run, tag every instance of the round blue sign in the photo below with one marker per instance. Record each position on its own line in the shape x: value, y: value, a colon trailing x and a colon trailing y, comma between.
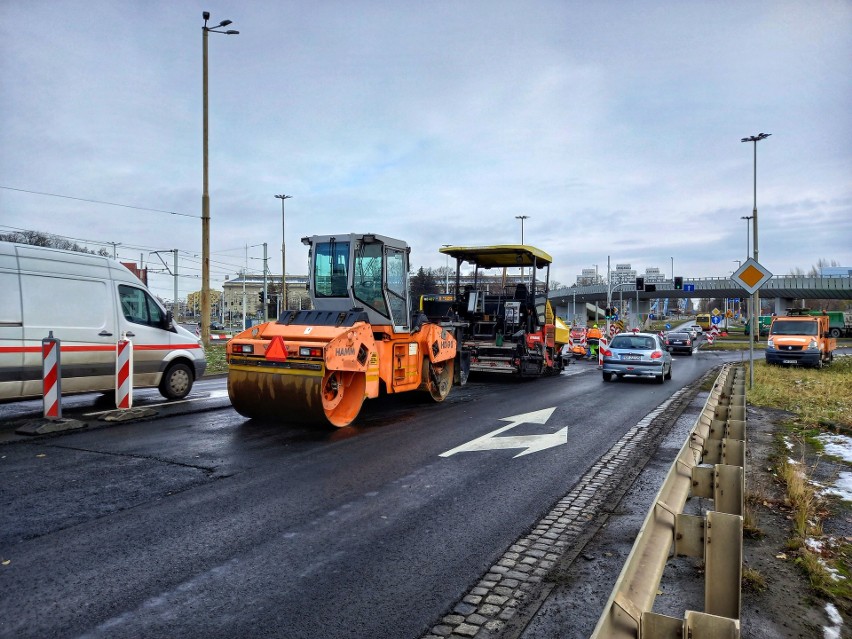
x: 716, y: 319
x: 668, y: 327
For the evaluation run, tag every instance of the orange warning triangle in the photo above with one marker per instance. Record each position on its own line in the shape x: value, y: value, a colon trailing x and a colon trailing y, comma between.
x: 276, y: 351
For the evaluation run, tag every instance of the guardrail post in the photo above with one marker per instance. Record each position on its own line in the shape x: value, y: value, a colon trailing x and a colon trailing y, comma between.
x: 728, y: 489
x: 723, y: 560
x: 51, y: 377
x: 700, y: 624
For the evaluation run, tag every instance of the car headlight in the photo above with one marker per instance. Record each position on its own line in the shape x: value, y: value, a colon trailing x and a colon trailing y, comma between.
x: 813, y: 345
x: 770, y: 343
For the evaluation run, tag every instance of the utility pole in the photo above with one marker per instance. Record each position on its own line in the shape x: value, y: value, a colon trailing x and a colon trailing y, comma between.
x: 245, y: 301
x: 265, y: 293
x: 174, y: 274
x: 522, y: 218
x: 175, y: 305
x: 284, y: 303
x: 608, y: 294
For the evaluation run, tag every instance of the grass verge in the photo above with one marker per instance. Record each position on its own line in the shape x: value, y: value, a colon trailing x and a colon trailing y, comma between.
x: 815, y: 396
x: 216, y: 363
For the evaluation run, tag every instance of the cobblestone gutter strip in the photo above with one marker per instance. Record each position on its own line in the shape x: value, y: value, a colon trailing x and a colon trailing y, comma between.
x: 512, y: 590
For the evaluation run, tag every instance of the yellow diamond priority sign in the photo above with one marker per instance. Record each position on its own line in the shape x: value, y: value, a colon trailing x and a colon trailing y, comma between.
x: 751, y: 276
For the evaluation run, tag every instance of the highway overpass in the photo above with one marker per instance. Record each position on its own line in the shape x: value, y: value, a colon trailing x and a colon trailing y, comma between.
x: 787, y: 291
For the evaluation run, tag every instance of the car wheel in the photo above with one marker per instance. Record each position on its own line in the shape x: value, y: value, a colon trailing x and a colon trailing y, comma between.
x: 607, y: 377
x: 176, y: 382
x: 669, y: 374
x: 661, y: 378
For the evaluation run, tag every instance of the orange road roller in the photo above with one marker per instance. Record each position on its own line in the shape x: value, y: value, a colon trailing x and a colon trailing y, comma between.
x: 319, y: 365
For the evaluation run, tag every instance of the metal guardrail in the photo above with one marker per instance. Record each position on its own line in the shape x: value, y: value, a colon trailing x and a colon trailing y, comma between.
x: 711, y: 464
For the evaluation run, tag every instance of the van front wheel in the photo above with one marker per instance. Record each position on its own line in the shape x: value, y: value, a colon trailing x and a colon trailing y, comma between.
x: 176, y: 382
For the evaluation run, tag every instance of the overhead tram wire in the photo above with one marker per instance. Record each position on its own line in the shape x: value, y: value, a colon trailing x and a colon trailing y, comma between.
x: 190, y: 258
x: 82, y: 199
x: 187, y: 254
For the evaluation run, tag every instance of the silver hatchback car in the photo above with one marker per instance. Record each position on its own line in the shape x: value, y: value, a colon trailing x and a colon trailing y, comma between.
x: 640, y: 354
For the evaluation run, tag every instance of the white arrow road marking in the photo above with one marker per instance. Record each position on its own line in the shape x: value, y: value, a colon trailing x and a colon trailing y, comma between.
x: 531, y: 443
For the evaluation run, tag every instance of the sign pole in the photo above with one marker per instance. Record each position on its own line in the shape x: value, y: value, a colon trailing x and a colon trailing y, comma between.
x: 754, y: 327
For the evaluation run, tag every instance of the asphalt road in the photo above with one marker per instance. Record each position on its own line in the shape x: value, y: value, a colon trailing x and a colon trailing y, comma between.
x: 202, y: 523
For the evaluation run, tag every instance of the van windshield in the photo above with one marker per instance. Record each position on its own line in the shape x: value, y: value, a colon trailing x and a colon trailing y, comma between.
x: 788, y: 327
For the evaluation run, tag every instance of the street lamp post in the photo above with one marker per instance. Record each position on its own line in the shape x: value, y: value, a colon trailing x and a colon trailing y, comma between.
x: 747, y: 218
x: 205, y: 193
x: 748, y: 237
x: 522, y: 218
x: 284, y: 303
x: 755, y: 303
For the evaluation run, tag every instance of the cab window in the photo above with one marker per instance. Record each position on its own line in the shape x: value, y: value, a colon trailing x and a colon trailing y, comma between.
x: 368, y: 276
x: 139, y: 307
x: 397, y: 287
x: 331, y: 269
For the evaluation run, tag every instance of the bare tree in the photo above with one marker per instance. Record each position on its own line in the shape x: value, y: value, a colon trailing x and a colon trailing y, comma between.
x: 34, y: 238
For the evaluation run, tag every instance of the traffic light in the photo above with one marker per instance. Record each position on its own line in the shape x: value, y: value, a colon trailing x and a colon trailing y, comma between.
x: 678, y: 283
x: 260, y: 297
x: 640, y: 283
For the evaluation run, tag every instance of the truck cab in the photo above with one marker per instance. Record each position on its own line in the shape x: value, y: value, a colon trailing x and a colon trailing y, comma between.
x: 800, y: 339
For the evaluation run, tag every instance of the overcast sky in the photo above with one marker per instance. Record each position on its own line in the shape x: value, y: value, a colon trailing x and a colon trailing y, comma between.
x: 615, y: 126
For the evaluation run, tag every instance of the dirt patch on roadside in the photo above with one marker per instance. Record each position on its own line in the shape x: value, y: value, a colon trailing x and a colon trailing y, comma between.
x: 787, y: 607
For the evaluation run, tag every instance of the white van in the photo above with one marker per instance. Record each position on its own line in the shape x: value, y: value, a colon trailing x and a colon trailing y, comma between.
x: 88, y: 301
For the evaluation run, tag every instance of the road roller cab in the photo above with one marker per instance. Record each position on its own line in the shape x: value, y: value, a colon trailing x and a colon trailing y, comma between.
x: 320, y: 365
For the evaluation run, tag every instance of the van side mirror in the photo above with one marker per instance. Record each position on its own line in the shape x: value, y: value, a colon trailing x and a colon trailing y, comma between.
x: 169, y: 319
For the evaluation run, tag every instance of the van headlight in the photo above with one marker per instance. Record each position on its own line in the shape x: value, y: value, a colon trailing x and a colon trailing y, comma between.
x: 813, y: 345
x: 770, y: 343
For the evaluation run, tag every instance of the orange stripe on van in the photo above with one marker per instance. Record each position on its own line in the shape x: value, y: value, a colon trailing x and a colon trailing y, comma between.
x: 65, y: 349
x: 99, y: 348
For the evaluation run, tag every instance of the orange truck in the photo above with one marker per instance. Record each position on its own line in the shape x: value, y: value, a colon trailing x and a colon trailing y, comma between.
x: 801, y: 339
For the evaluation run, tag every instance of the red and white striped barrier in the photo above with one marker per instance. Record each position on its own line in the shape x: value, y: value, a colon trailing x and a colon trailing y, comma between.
x: 51, y: 377
x: 601, y: 346
x: 714, y: 331
x: 124, y: 374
